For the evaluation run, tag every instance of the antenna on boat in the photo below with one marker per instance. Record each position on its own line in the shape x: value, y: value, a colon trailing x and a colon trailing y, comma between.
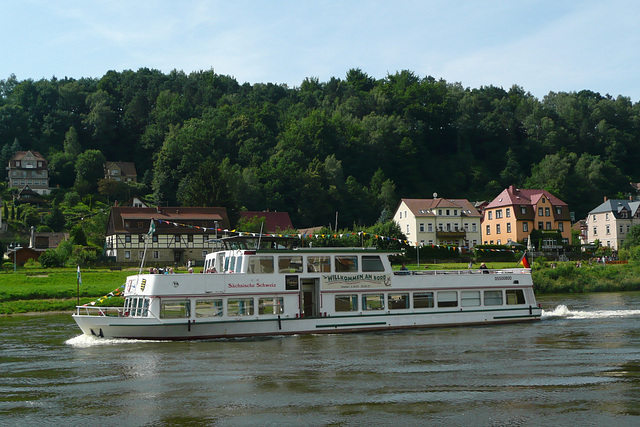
x: 259, y: 237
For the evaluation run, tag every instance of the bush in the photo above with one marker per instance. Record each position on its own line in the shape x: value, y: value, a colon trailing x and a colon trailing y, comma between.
x: 72, y: 198
x: 85, y: 255
x: 51, y: 259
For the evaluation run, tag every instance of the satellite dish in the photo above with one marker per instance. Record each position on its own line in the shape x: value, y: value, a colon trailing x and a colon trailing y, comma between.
x: 435, y: 195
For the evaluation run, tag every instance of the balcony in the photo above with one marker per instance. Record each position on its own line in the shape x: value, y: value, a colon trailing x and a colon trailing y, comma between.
x: 451, y: 234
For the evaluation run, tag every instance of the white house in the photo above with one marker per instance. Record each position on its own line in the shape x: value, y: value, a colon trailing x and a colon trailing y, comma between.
x: 610, y: 222
x: 450, y: 222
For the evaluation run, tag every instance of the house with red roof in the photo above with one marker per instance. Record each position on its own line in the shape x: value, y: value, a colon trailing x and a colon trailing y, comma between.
x: 515, y: 213
x: 439, y: 221
x: 274, y: 221
x: 181, y: 233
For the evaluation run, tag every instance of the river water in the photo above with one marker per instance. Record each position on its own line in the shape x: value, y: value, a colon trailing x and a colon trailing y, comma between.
x: 579, y: 365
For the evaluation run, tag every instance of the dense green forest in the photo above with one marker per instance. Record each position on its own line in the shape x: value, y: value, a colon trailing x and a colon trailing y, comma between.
x: 355, y: 145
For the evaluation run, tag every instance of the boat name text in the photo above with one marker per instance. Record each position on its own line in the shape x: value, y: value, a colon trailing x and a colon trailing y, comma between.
x: 251, y: 285
x: 350, y: 281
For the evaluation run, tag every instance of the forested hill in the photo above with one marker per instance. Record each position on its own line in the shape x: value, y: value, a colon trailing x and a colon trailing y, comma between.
x: 353, y: 145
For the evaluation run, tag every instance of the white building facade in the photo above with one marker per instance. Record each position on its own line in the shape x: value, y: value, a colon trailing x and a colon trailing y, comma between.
x: 610, y: 222
x: 449, y: 222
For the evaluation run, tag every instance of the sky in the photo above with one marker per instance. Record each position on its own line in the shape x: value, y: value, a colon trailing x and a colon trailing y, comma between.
x: 541, y: 46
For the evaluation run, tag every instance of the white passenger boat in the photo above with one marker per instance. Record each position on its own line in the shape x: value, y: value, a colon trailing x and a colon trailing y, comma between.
x: 266, y: 289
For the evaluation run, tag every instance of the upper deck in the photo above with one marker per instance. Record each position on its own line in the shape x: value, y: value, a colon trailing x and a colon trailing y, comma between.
x: 274, y: 268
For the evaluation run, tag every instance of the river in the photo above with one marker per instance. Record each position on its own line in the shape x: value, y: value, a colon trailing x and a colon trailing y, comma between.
x: 579, y: 365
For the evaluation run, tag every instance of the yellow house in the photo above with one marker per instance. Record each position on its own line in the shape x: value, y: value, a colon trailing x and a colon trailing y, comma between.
x: 515, y: 213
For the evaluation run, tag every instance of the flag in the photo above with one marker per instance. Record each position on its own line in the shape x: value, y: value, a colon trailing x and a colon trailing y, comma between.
x: 79, y: 276
x: 524, y: 261
x: 152, y: 227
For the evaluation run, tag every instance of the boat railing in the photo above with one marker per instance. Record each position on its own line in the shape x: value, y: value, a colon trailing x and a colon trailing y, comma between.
x: 460, y: 272
x: 87, y: 310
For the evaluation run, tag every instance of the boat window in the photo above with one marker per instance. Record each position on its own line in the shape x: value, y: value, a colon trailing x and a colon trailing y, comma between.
x: 398, y: 301
x: 423, y: 300
x: 145, y: 308
x: 240, y: 307
x: 372, y: 263
x: 492, y: 297
x: 515, y: 296
x: 238, y: 267
x: 373, y: 302
x: 208, y: 307
x: 290, y: 264
x: 273, y: 305
x: 346, y: 264
x: 319, y: 264
x: 232, y: 264
x: 470, y: 298
x: 174, y: 308
x: 260, y: 264
x: 346, y: 303
x: 139, y: 309
x: 447, y: 299
x: 226, y: 263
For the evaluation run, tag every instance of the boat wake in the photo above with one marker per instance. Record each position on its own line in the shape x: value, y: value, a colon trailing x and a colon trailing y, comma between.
x: 562, y: 311
x: 84, y: 341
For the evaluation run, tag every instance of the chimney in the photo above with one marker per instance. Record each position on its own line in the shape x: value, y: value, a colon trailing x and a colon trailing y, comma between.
x: 512, y: 189
x: 605, y: 198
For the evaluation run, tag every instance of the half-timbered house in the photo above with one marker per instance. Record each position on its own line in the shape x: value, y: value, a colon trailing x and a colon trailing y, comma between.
x: 182, y: 234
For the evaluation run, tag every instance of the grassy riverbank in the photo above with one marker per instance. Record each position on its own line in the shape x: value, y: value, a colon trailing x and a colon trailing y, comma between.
x: 40, y: 290
x: 55, y: 289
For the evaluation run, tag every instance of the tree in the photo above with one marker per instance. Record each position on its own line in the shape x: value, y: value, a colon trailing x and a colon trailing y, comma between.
x: 30, y: 215
x: 55, y: 219
x: 204, y: 187
x: 62, y: 169
x: 77, y: 235
x: 71, y: 144
x: 90, y: 169
x: 633, y: 237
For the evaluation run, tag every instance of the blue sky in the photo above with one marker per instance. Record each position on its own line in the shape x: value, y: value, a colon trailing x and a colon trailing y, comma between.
x: 540, y: 45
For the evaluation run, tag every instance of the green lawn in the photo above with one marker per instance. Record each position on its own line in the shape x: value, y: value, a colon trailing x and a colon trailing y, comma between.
x: 55, y: 289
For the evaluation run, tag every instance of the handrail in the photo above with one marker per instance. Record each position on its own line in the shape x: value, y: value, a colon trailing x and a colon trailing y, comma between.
x: 460, y: 272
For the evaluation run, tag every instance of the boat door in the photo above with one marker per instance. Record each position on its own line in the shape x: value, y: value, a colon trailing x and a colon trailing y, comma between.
x: 310, y: 298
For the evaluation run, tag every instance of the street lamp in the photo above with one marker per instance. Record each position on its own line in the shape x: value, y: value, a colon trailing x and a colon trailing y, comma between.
x: 15, y: 246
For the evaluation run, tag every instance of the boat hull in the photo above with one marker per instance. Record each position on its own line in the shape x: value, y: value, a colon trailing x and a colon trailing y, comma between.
x: 153, y: 329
